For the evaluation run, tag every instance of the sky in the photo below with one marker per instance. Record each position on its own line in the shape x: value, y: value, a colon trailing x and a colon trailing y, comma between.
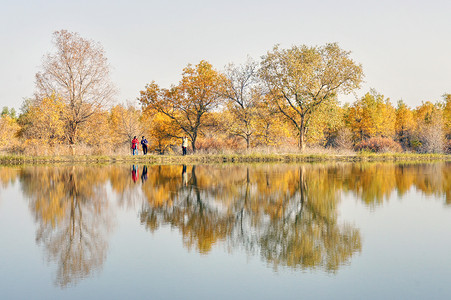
x: 403, y: 46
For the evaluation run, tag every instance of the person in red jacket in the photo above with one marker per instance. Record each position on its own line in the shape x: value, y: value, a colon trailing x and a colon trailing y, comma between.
x: 135, y: 173
x: 135, y: 145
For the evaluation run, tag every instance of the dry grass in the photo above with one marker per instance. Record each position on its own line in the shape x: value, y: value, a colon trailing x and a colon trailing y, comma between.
x: 203, y: 158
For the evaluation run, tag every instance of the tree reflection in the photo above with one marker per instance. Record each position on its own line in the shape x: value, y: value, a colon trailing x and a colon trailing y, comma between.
x: 287, y: 214
x: 70, y: 206
x: 182, y: 205
x: 8, y: 175
x: 374, y: 182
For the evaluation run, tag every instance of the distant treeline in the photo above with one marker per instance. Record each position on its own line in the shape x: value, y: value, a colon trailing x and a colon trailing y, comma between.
x: 286, y: 100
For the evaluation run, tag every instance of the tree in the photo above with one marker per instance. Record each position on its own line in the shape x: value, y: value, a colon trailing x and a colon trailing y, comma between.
x: 301, y: 78
x: 243, y: 94
x: 46, y: 121
x: 371, y: 116
x: 430, y: 127
x: 405, y: 123
x: 325, y: 126
x: 78, y: 72
x: 272, y: 128
x: 9, y: 112
x: 8, y: 132
x: 126, y: 123
x: 160, y: 131
x: 447, y: 114
x: 188, y: 103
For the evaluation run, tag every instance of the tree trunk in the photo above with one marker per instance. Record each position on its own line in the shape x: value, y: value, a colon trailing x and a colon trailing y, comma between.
x: 72, y: 136
x: 302, y: 130
x: 193, y: 145
x: 302, y: 140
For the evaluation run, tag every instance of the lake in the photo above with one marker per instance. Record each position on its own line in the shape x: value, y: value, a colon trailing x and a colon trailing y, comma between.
x: 232, y: 231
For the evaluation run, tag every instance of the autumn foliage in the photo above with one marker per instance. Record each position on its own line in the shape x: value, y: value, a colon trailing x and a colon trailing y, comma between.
x: 287, y: 100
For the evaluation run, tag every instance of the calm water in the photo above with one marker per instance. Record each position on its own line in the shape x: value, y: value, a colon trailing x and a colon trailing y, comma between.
x: 349, y: 231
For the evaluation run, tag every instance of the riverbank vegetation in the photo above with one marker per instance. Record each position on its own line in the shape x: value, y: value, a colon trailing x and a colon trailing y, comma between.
x: 199, y: 158
x: 284, y: 104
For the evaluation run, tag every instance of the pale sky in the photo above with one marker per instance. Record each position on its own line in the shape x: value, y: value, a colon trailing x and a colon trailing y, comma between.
x: 404, y: 46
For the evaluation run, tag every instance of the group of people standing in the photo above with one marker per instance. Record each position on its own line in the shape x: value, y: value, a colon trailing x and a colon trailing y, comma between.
x: 135, y: 143
x: 144, y: 144
x: 135, y: 173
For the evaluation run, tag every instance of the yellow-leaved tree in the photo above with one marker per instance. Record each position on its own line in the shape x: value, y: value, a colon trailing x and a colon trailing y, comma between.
x: 43, y: 125
x: 8, y: 132
x: 301, y: 78
x: 405, y: 124
x: 371, y: 116
x: 188, y: 103
x: 160, y: 130
x: 323, y: 129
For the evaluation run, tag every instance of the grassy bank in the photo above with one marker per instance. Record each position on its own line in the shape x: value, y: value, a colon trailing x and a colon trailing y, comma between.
x: 221, y: 158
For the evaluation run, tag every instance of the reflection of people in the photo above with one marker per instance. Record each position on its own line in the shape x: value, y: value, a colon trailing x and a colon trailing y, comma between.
x: 184, y: 176
x: 135, y: 145
x: 144, y: 174
x: 135, y: 173
x: 144, y: 145
x: 184, y: 145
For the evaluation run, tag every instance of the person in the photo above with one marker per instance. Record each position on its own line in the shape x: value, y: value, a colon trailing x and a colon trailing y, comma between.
x: 135, y: 145
x: 144, y: 174
x: 144, y: 145
x: 135, y: 173
x: 184, y: 176
x: 184, y: 145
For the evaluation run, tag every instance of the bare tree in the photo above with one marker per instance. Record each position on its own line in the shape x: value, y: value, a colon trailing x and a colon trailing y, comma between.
x: 243, y: 92
x: 78, y: 72
x: 129, y: 122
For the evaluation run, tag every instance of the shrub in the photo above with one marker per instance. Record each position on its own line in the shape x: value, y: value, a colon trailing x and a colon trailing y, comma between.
x: 432, y: 138
x: 214, y: 145
x: 379, y: 144
x: 344, y: 139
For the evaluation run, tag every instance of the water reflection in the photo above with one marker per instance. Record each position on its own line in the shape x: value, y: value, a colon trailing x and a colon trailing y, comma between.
x: 70, y: 207
x: 135, y: 173
x: 373, y: 183
x: 285, y: 214
x: 144, y: 174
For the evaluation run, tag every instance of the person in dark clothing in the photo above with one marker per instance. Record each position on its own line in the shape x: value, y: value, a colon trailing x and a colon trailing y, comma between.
x: 144, y: 174
x: 144, y: 145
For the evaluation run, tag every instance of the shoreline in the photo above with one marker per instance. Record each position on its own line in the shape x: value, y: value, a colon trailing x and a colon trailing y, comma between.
x: 223, y: 158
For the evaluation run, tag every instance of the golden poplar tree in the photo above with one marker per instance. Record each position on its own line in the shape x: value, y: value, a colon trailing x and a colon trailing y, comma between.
x: 301, y: 78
